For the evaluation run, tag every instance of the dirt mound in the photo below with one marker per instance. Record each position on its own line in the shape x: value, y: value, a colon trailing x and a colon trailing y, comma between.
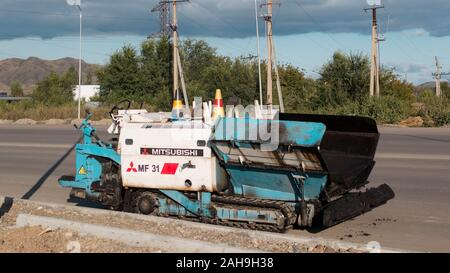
x: 6, y: 122
x: 39, y: 240
x: 413, y: 122
x: 180, y: 229
x: 25, y: 122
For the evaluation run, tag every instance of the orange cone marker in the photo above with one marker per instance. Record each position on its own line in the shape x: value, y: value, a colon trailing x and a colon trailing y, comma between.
x: 218, y: 108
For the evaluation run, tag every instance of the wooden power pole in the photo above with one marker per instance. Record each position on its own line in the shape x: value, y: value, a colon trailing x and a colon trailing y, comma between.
x: 374, y: 60
x: 177, y: 68
x: 438, y: 76
x: 165, y: 27
x: 271, y: 59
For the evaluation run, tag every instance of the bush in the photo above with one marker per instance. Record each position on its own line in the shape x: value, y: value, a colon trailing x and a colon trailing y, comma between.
x: 435, y: 109
x: 385, y: 110
x: 16, y: 89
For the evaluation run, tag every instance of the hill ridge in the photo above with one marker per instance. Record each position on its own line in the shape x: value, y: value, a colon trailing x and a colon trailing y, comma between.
x: 33, y: 69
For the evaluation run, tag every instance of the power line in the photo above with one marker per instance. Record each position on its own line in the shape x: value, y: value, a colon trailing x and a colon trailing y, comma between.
x: 320, y: 27
x: 218, y: 19
x: 410, y: 42
x: 192, y: 21
x: 415, y: 47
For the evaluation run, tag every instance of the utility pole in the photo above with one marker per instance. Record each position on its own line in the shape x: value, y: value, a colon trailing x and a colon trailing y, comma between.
x: 164, y: 20
x: 261, y: 102
x: 269, y: 34
x: 280, y: 94
x: 271, y: 58
x: 375, y: 67
x: 438, y: 76
x: 177, y: 69
x: 165, y: 28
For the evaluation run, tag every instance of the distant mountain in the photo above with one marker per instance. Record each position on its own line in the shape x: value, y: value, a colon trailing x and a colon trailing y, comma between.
x: 427, y: 86
x: 430, y: 85
x: 32, y: 70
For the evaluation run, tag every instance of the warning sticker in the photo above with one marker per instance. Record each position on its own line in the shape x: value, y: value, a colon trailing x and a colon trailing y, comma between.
x: 82, y: 171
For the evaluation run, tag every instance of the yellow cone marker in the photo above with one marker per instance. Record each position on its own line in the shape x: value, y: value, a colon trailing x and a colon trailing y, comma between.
x: 218, y: 108
x: 178, y: 107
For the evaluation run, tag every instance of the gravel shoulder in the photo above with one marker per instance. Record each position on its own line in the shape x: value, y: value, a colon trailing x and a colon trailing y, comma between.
x: 40, y: 240
x: 56, y: 240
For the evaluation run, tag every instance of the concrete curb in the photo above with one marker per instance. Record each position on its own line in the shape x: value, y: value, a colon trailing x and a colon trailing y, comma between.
x: 257, y: 235
x: 129, y: 237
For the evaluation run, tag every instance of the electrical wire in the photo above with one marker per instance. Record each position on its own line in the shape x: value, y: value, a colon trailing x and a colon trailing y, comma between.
x: 319, y: 25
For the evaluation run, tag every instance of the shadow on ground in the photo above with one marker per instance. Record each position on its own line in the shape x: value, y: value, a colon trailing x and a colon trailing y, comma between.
x: 6, y: 206
x: 41, y: 181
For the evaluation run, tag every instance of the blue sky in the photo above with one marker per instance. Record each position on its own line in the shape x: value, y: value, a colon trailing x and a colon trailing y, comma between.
x: 307, y: 32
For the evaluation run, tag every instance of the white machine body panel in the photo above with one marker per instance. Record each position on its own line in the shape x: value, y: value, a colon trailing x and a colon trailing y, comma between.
x: 171, y: 156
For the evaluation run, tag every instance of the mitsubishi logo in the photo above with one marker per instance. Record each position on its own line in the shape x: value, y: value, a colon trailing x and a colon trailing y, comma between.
x: 131, y: 168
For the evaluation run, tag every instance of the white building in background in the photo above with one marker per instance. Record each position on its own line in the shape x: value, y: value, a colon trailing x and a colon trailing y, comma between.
x: 87, y: 92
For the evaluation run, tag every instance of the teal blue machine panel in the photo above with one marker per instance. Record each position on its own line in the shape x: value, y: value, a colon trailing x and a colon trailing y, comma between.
x: 276, y: 185
x: 305, y: 134
x: 291, y: 172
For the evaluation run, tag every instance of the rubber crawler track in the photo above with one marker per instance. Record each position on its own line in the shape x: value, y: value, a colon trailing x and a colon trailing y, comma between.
x: 286, y: 211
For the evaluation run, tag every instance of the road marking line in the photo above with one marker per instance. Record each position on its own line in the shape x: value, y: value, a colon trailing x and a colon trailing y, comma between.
x: 36, y: 145
x: 412, y: 156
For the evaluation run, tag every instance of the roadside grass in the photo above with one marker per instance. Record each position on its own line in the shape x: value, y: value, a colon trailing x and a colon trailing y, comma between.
x: 41, y: 112
x: 386, y: 110
x: 435, y: 112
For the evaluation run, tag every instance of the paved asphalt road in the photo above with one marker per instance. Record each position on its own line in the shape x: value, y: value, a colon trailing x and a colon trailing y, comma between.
x: 415, y: 162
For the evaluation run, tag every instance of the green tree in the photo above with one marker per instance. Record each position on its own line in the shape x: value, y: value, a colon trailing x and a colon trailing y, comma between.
x: 148, y: 76
x: 391, y: 85
x: 56, y: 89
x: 120, y: 79
x: 156, y: 72
x: 345, y: 77
x: 16, y: 89
x: 300, y: 93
